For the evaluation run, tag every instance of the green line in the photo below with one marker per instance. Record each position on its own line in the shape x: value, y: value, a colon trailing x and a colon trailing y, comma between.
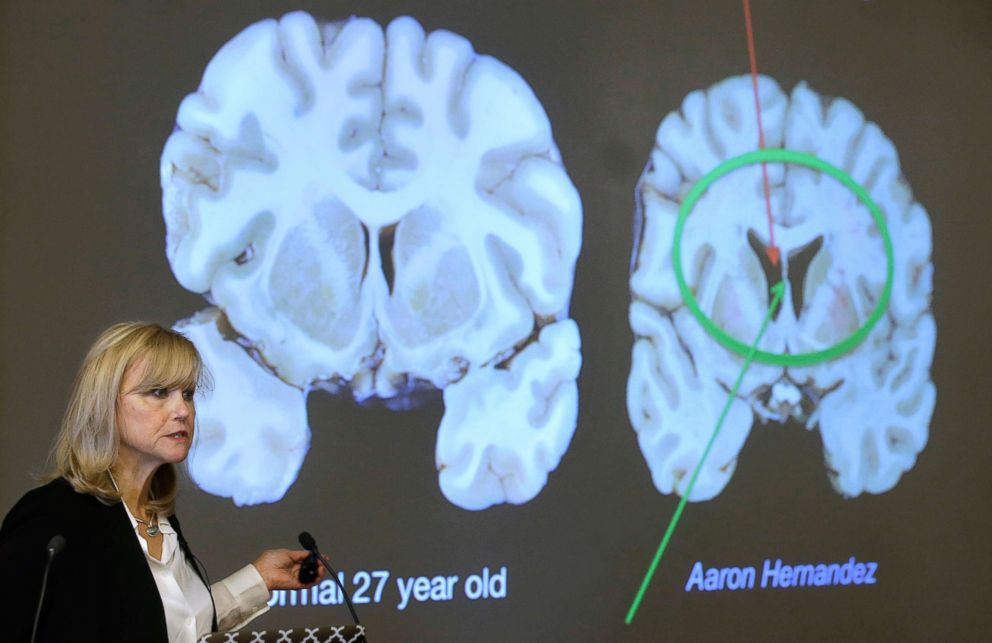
x: 778, y: 290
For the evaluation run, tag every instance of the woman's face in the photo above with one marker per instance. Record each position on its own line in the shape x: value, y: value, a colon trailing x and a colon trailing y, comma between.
x: 156, y: 423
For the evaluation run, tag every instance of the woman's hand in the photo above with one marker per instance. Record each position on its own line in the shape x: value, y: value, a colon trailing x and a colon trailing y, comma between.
x: 280, y: 568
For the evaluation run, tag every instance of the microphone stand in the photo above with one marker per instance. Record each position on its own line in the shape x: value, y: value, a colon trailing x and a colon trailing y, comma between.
x: 334, y: 575
x: 54, y: 546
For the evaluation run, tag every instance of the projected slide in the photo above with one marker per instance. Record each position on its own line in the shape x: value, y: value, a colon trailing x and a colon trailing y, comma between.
x: 837, y: 237
x: 374, y: 213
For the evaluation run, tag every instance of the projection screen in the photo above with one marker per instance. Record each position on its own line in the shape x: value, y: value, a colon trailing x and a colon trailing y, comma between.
x: 550, y: 321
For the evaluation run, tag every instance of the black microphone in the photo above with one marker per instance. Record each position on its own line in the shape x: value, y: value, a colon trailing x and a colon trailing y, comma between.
x: 53, y: 547
x: 308, y: 543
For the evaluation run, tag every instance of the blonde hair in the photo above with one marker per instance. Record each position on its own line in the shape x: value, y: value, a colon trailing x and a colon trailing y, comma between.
x: 86, y: 446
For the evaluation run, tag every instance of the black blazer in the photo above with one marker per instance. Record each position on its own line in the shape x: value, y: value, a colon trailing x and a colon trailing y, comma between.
x: 99, y: 588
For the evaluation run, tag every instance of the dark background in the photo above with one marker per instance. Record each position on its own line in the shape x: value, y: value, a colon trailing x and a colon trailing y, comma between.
x: 89, y: 95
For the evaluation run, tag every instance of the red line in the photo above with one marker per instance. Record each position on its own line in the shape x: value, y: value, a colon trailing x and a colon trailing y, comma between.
x: 761, y: 129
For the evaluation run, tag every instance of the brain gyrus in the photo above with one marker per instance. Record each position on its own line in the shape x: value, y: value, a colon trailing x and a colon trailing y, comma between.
x: 872, y: 405
x: 375, y: 212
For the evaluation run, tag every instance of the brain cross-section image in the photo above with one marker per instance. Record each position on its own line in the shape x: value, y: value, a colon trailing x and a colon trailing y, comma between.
x: 871, y: 405
x: 374, y: 212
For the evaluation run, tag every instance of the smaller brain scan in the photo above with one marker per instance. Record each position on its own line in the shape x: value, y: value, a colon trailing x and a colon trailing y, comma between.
x: 872, y: 405
x: 374, y: 212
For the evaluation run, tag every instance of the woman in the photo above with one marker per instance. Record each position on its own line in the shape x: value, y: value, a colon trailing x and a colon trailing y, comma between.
x: 126, y: 573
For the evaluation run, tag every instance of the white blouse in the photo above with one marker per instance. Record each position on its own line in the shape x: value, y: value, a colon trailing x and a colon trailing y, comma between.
x: 240, y: 597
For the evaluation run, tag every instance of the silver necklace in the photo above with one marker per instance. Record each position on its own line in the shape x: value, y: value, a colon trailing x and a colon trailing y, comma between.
x: 150, y: 529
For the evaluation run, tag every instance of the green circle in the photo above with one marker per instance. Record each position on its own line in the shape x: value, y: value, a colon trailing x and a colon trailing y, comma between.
x: 734, y: 344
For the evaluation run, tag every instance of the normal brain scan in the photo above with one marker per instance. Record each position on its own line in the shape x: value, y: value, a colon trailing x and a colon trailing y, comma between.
x: 374, y: 212
x: 872, y: 405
